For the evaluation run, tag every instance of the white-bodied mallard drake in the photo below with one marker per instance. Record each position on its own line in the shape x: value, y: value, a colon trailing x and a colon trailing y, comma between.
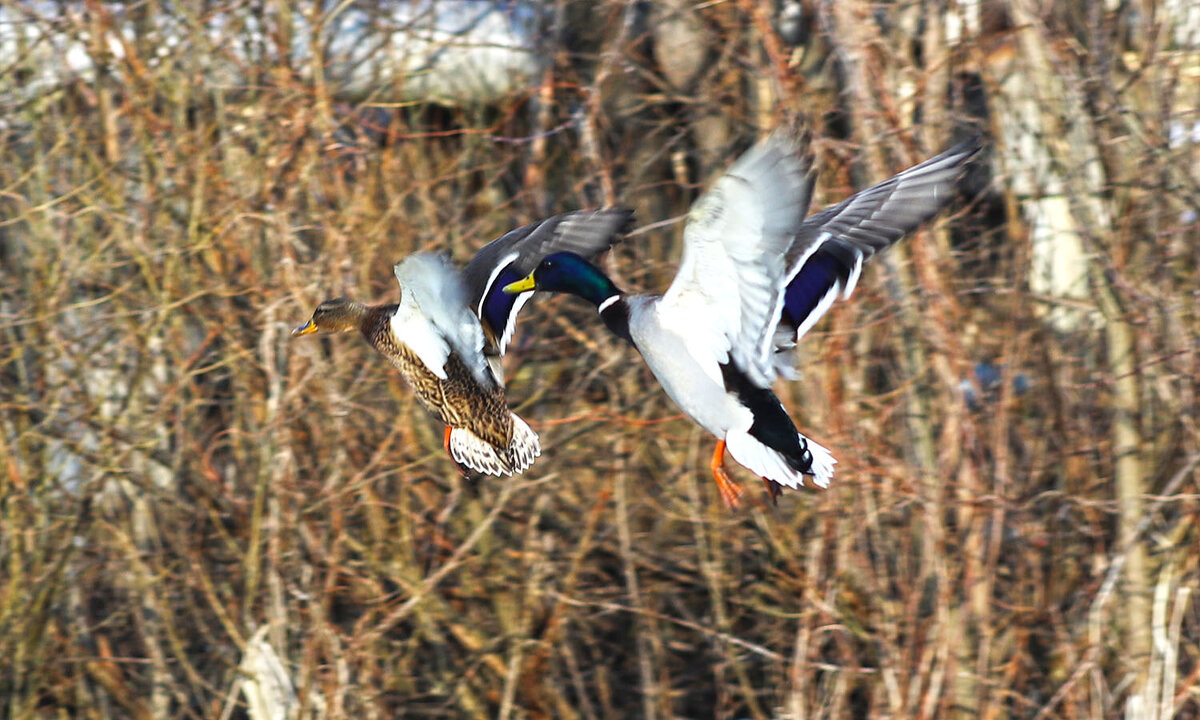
x: 755, y: 276
x: 447, y: 332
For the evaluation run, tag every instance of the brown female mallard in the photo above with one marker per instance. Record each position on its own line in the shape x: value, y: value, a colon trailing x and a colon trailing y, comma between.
x: 446, y: 334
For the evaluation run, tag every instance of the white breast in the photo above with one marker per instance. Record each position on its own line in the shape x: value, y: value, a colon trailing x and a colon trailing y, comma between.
x: 687, y: 379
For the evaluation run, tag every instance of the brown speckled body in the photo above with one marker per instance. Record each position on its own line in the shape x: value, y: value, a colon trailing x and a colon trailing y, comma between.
x: 459, y: 400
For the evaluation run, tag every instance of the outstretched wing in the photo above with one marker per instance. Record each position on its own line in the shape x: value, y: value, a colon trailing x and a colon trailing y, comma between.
x: 828, y: 252
x: 515, y: 254
x: 727, y: 292
x: 433, y: 319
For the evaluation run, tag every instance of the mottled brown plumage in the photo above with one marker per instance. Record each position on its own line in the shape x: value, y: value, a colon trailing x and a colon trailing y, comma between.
x: 448, y: 331
x: 459, y: 401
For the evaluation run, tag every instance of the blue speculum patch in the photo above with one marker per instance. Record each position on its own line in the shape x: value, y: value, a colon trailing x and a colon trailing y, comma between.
x: 805, y: 291
x: 498, y: 304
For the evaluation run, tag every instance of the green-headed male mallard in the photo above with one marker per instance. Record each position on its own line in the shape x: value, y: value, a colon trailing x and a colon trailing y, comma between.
x: 755, y: 276
x: 447, y: 332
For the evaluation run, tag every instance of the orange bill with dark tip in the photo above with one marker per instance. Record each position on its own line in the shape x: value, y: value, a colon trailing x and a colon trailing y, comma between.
x: 306, y: 328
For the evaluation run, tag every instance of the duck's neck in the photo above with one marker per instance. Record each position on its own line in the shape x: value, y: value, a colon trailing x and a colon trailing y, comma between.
x: 614, y: 311
x: 374, y: 319
x: 593, y: 285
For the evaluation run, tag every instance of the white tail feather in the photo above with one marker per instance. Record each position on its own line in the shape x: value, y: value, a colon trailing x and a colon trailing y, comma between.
x: 472, y: 451
x: 525, y: 446
x: 769, y: 463
x: 822, y: 463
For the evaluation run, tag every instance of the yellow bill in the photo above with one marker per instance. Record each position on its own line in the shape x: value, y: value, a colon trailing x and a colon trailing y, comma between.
x: 306, y: 329
x: 521, y: 285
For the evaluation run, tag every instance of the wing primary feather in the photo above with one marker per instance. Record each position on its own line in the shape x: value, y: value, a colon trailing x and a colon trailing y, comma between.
x: 833, y: 245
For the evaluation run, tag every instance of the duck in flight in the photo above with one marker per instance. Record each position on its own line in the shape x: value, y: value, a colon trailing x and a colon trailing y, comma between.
x: 449, y: 329
x: 755, y: 276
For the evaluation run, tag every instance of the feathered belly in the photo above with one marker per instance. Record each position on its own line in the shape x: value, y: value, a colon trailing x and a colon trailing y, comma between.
x: 458, y: 400
x: 686, y: 382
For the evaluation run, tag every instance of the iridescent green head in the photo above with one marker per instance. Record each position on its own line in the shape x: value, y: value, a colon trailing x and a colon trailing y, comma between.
x: 566, y: 272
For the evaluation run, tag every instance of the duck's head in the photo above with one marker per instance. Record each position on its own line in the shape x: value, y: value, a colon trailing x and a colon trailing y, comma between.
x: 331, y: 316
x: 566, y: 272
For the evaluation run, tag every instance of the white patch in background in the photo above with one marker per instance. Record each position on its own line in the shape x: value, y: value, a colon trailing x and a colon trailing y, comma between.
x: 454, y: 52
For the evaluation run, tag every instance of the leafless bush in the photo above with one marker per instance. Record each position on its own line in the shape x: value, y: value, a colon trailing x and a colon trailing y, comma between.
x: 202, y: 518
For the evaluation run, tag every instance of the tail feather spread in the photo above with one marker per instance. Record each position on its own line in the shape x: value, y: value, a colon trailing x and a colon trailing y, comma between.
x: 771, y: 464
x: 472, y: 451
x: 524, y: 447
x: 822, y: 463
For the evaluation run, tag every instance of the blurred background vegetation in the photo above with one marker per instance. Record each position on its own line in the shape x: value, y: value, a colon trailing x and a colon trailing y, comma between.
x: 204, y: 519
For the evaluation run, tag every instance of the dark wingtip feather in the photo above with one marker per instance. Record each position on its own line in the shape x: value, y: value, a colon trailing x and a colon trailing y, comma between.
x: 965, y: 151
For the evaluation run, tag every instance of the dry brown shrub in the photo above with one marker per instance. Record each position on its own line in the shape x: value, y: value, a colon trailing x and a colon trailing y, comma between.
x: 179, y: 474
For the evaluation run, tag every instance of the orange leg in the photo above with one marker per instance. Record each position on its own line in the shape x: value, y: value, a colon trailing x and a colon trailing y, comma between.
x: 730, y: 491
x: 446, y: 446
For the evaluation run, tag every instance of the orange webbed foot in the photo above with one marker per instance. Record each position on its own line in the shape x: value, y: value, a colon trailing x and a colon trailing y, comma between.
x: 730, y: 490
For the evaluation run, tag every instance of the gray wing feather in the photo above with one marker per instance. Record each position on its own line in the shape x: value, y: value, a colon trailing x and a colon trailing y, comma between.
x: 879, y: 216
x: 726, y: 291
x: 516, y: 253
x: 584, y: 232
x: 433, y: 316
x: 854, y: 230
